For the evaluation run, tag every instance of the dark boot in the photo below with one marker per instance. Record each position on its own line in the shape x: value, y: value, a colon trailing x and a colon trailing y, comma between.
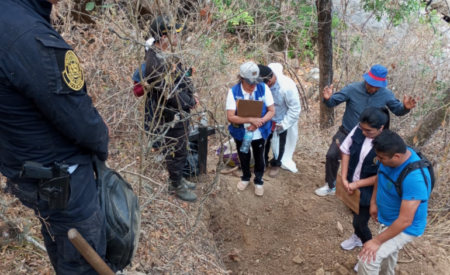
x: 189, y: 184
x: 183, y: 193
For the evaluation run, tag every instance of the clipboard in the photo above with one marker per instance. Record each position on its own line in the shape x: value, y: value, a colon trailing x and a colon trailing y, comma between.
x: 249, y: 108
x: 352, y: 201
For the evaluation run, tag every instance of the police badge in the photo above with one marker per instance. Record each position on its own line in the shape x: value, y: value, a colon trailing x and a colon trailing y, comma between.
x: 73, y: 74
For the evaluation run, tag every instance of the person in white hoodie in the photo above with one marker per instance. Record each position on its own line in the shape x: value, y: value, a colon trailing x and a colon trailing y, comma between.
x: 285, y: 121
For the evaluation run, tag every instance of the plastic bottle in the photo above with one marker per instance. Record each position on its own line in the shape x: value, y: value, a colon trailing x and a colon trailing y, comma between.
x: 246, y: 143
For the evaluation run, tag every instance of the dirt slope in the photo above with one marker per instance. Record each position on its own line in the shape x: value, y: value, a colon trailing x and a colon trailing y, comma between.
x: 292, y: 231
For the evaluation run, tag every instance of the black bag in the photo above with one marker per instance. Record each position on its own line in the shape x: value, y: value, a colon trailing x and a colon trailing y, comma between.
x: 122, y: 213
x: 420, y: 164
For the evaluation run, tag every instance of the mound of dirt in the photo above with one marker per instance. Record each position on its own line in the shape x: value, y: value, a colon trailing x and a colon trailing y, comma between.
x: 290, y: 230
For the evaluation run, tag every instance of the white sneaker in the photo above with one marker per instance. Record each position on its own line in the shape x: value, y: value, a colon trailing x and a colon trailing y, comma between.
x: 242, y: 185
x: 356, y: 267
x: 351, y: 243
x: 325, y: 191
x: 325, y: 187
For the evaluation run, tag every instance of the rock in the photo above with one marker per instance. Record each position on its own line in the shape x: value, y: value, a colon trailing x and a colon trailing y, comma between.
x: 342, y: 270
x: 402, y: 272
x: 298, y: 260
x: 286, y: 203
x: 248, y: 221
x: 305, y: 208
x: 340, y: 228
x: 350, y: 263
x: 283, y: 267
x: 314, y: 76
x: 320, y: 271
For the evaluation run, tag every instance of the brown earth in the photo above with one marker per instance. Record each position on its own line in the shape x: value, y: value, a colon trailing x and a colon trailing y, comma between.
x: 290, y: 230
x: 287, y: 231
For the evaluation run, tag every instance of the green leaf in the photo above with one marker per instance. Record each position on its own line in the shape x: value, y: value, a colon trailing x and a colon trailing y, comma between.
x: 108, y: 6
x: 90, y: 6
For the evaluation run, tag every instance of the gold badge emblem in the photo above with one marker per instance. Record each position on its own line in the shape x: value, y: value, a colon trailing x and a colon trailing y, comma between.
x: 73, y: 74
x: 375, y: 160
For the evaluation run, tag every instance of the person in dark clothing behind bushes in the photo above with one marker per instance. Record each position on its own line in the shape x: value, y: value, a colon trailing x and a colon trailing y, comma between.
x: 172, y: 95
x: 150, y: 125
x: 48, y: 118
x: 359, y: 169
x: 358, y: 96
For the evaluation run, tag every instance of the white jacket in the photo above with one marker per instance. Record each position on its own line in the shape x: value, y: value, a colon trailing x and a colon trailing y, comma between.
x: 289, y: 92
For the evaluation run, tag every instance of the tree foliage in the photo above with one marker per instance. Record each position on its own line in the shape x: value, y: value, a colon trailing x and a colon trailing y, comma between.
x: 398, y: 11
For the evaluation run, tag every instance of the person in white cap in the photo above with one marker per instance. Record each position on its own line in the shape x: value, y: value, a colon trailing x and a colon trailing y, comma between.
x: 250, y: 86
x: 285, y: 121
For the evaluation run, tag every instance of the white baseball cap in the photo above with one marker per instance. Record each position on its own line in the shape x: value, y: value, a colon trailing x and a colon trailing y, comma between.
x: 250, y: 72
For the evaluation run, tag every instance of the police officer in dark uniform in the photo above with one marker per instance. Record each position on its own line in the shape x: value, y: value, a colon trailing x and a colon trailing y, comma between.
x: 49, y: 131
x: 171, y: 96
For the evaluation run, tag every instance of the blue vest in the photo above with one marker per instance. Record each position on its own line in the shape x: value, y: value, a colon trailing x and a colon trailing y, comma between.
x: 237, y: 131
x: 369, y: 167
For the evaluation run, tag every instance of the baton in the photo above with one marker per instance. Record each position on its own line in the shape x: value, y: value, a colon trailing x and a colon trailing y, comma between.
x: 88, y: 253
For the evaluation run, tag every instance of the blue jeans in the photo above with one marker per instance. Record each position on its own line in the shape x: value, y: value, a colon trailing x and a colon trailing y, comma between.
x: 82, y: 213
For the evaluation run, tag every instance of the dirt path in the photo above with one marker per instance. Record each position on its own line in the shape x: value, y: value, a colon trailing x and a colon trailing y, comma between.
x: 292, y: 231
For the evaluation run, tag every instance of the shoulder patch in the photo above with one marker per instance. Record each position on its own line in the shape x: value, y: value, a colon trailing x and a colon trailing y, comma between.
x: 73, y: 73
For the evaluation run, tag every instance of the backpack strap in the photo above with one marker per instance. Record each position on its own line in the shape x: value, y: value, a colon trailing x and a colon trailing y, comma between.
x: 397, y: 187
x: 420, y: 164
x: 99, y: 169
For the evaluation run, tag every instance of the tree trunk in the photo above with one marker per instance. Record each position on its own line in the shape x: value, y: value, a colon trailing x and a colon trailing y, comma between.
x: 325, y: 43
x: 429, y: 124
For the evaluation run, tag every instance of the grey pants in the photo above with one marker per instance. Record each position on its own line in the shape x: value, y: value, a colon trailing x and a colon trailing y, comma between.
x: 387, y: 255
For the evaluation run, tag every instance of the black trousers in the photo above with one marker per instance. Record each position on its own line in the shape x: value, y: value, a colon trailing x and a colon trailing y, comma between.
x: 176, y: 152
x: 361, y: 223
x: 83, y: 213
x: 333, y: 157
x: 258, y: 154
x: 275, y: 162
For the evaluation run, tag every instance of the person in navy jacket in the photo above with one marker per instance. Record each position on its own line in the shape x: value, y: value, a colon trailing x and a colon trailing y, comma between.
x: 47, y: 117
